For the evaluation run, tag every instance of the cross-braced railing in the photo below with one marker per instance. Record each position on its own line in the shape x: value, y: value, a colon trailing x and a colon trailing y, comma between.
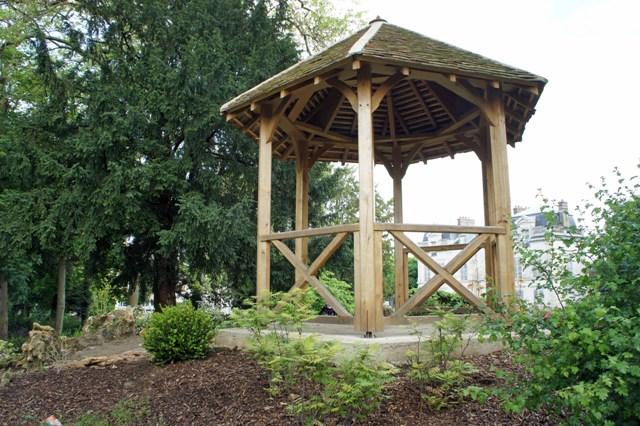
x: 484, y: 239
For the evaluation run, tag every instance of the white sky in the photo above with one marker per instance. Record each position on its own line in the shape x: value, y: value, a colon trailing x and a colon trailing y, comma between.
x: 589, y: 50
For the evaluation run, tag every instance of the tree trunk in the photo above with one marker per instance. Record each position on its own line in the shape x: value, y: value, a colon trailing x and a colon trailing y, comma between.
x: 4, y: 307
x: 134, y: 293
x: 62, y: 278
x: 165, y: 282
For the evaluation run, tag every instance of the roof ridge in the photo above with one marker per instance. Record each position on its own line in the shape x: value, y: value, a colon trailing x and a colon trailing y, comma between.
x: 366, y: 37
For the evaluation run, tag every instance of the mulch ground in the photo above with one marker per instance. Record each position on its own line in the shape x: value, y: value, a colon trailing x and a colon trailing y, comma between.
x: 227, y: 388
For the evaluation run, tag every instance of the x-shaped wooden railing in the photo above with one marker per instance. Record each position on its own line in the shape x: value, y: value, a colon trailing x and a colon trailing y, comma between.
x: 442, y: 275
x: 485, y: 235
x: 308, y: 274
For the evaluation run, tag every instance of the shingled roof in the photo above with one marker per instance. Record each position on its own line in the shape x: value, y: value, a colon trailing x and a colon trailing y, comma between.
x: 431, y: 110
x: 383, y: 41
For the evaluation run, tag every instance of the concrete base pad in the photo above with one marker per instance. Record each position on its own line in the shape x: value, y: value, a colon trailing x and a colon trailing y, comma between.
x: 392, y: 344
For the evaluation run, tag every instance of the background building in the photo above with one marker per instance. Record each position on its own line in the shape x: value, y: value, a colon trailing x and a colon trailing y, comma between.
x: 530, y: 226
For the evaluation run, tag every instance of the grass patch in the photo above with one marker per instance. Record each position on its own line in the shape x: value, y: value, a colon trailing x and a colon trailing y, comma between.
x: 124, y: 413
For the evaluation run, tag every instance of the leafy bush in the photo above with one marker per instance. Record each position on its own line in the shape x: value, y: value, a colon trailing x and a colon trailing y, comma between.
x: 339, y: 289
x: 178, y: 333
x: 582, y: 358
x: 9, y: 355
x: 102, y: 299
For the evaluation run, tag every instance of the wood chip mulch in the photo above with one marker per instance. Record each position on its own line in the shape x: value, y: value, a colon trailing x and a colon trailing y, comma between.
x: 227, y: 388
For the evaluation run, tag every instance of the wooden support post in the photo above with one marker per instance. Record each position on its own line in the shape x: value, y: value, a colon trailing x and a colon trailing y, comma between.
x: 302, y: 202
x: 369, y: 317
x: 489, y: 216
x: 263, y: 273
x: 402, y: 285
x: 499, y: 181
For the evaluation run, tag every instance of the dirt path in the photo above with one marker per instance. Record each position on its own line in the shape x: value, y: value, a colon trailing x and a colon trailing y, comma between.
x: 116, y: 347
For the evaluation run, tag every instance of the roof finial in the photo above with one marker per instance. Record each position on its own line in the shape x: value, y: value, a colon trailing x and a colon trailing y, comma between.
x: 378, y: 19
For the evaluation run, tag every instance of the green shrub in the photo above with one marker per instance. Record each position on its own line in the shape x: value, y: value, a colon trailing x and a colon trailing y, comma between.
x: 339, y: 289
x: 582, y: 358
x: 9, y: 355
x: 178, y: 333
x: 102, y: 299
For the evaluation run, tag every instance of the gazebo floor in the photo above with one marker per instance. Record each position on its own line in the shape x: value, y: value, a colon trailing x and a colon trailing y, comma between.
x: 392, y: 344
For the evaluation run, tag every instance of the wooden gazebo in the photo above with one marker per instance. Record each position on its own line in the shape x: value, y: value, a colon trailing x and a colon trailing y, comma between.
x: 389, y: 96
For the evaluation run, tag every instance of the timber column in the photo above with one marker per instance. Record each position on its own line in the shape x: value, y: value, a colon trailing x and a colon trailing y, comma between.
x: 368, y: 290
x: 302, y: 202
x: 263, y: 273
x: 499, y: 197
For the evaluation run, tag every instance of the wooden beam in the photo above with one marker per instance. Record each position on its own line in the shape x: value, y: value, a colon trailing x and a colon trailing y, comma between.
x: 422, y: 103
x: 461, y: 88
x: 321, y: 150
x: 454, y: 229
x: 346, y: 91
x: 302, y: 202
x: 440, y: 101
x: 263, y: 267
x: 401, y: 285
x: 385, y: 88
x: 319, y: 287
x: 370, y: 317
x: 444, y: 274
x: 444, y: 247
x: 501, y: 216
x: 328, y: 251
x: 310, y: 128
x: 312, y: 232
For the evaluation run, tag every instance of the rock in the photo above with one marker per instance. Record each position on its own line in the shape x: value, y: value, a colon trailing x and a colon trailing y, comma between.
x: 43, y: 345
x: 105, y: 328
x: 108, y: 361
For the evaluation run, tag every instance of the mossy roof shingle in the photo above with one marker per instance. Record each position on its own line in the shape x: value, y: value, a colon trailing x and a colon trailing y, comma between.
x: 395, y: 44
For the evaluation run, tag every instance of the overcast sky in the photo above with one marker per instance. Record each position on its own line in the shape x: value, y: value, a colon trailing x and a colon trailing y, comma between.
x: 585, y: 124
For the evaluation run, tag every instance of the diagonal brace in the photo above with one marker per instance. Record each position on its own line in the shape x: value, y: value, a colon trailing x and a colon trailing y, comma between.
x: 320, y: 288
x: 443, y: 274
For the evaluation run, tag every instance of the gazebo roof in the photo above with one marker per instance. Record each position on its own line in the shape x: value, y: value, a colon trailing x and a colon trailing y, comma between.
x: 430, y: 111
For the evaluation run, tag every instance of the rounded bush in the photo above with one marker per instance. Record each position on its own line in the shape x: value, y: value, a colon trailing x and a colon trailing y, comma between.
x: 178, y: 333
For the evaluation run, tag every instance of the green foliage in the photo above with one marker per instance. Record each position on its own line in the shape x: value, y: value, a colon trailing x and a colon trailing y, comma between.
x: 339, y: 289
x: 178, y: 333
x: 413, y: 272
x: 438, y: 375
x: 348, y: 390
x: 582, y: 358
x: 357, y: 386
x: 274, y: 319
x: 126, y: 412
x: 9, y: 354
x: 102, y: 300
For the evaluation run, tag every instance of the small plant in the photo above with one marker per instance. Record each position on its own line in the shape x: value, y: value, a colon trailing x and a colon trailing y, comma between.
x: 438, y: 375
x: 178, y: 333
x: 124, y: 413
x: 9, y: 354
x: 272, y: 319
x: 102, y: 299
x: 357, y: 387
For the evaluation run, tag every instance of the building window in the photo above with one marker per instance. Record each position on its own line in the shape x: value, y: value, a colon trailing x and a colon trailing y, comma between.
x: 463, y: 273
